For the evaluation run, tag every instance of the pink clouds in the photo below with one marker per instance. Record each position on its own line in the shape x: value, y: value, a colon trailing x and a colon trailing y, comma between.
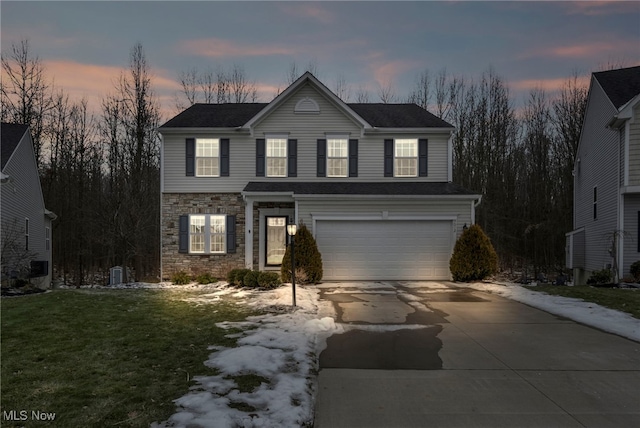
x: 548, y: 85
x: 605, y: 7
x: 585, y: 50
x: 214, y: 47
x: 309, y: 10
x: 94, y: 82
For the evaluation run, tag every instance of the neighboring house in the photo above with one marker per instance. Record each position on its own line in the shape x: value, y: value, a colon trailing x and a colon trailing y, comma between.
x: 372, y: 182
x: 25, y: 222
x: 606, y: 207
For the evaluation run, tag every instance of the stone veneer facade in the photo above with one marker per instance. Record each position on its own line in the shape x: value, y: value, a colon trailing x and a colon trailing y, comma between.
x: 176, y: 204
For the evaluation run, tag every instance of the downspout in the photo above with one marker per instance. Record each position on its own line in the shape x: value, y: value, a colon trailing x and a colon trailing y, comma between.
x: 473, y: 210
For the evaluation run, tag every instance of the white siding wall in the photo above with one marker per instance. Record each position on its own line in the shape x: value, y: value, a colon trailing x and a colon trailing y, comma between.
x: 631, y: 238
x: 307, y: 129
x: 598, y: 157
x: 22, y: 198
x: 634, y: 148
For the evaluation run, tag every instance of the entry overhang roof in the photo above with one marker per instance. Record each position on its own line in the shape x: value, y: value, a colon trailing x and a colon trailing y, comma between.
x: 392, y: 188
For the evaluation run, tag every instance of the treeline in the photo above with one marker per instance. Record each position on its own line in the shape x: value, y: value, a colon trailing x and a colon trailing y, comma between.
x: 100, y: 171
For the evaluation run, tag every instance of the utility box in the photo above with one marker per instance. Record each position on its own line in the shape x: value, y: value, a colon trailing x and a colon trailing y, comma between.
x: 115, y: 275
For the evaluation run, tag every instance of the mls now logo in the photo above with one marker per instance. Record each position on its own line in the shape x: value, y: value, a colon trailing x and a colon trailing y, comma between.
x: 23, y: 415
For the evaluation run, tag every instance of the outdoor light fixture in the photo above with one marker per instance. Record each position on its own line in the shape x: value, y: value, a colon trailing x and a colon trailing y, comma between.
x: 465, y: 227
x: 291, y: 230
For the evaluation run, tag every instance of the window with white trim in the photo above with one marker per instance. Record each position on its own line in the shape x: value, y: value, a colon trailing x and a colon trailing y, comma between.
x: 337, y: 157
x: 406, y: 158
x: 276, y: 157
x: 207, y: 157
x: 207, y: 234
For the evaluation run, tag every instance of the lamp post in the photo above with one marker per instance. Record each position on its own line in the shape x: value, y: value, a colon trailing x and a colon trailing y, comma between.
x: 291, y: 230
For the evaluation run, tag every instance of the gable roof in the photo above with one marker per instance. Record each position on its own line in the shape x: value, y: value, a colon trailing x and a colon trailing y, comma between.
x: 228, y: 115
x: 620, y: 85
x: 375, y: 115
x: 10, y: 136
x: 382, y: 115
x: 403, y: 188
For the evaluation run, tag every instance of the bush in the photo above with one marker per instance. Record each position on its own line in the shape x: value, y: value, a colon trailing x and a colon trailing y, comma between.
x: 269, y: 280
x: 180, y: 278
x: 251, y: 279
x: 635, y: 270
x: 308, y: 258
x: 600, y: 277
x: 236, y: 277
x: 473, y: 256
x: 206, y: 278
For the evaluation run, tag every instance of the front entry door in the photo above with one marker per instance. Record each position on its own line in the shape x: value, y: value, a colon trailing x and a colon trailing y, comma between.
x: 276, y: 240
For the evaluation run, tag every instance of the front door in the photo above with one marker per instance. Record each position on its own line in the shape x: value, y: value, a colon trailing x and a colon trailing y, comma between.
x: 276, y: 240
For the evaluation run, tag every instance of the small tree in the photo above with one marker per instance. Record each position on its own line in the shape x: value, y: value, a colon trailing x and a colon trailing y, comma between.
x: 473, y: 256
x: 308, y: 258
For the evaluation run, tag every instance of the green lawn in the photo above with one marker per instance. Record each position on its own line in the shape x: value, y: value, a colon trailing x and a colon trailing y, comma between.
x: 621, y: 299
x: 101, y: 358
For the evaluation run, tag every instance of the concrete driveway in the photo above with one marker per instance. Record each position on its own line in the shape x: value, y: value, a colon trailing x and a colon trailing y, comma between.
x: 434, y: 355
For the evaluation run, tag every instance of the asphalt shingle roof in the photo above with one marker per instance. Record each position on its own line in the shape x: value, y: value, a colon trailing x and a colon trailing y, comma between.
x: 620, y: 85
x: 10, y: 136
x: 234, y: 115
x: 358, y: 188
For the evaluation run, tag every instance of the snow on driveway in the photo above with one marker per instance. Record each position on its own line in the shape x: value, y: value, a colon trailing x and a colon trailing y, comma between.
x: 283, y: 346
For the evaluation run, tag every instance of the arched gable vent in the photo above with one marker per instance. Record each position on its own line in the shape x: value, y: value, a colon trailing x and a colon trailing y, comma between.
x: 306, y: 105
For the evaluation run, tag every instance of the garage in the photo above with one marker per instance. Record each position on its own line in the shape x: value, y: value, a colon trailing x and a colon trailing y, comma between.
x: 385, y: 249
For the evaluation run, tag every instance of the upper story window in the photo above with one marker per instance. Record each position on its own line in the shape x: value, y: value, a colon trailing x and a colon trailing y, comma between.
x: 337, y: 157
x: 276, y: 157
x: 406, y: 158
x: 207, y: 157
x: 207, y: 234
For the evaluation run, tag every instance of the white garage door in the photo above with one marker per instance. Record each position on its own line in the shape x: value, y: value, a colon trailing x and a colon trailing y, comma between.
x: 385, y: 249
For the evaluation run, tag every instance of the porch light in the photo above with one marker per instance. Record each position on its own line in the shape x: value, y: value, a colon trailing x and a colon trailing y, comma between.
x: 291, y: 230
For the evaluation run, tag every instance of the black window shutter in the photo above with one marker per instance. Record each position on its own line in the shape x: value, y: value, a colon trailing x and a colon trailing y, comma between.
x: 191, y: 157
x: 292, y: 152
x: 388, y: 158
x: 423, y: 148
x: 224, y: 157
x: 322, y: 158
x: 260, y: 157
x: 231, y: 234
x: 353, y: 158
x: 183, y: 234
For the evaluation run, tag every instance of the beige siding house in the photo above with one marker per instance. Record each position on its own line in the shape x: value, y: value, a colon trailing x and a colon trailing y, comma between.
x: 25, y: 222
x: 371, y: 181
x: 606, y: 220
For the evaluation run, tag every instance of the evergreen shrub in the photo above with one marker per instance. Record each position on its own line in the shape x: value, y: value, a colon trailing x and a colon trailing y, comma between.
x: 308, y: 258
x: 474, y: 257
x: 635, y: 270
x: 269, y: 280
x: 251, y: 279
x: 600, y: 277
x: 206, y: 278
x: 180, y: 278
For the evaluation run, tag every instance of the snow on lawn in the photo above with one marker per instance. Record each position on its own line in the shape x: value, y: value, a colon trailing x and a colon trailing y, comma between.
x: 588, y: 313
x: 281, y: 346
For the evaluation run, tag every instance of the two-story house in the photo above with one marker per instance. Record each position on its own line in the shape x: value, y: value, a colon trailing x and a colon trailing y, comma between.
x: 606, y: 206
x: 25, y: 222
x: 372, y: 182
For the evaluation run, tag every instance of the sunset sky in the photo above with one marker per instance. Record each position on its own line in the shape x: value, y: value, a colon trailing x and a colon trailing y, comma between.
x: 85, y: 45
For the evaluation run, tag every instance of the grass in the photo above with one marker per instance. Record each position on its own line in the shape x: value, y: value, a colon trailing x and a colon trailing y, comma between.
x: 100, y: 358
x: 621, y: 299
